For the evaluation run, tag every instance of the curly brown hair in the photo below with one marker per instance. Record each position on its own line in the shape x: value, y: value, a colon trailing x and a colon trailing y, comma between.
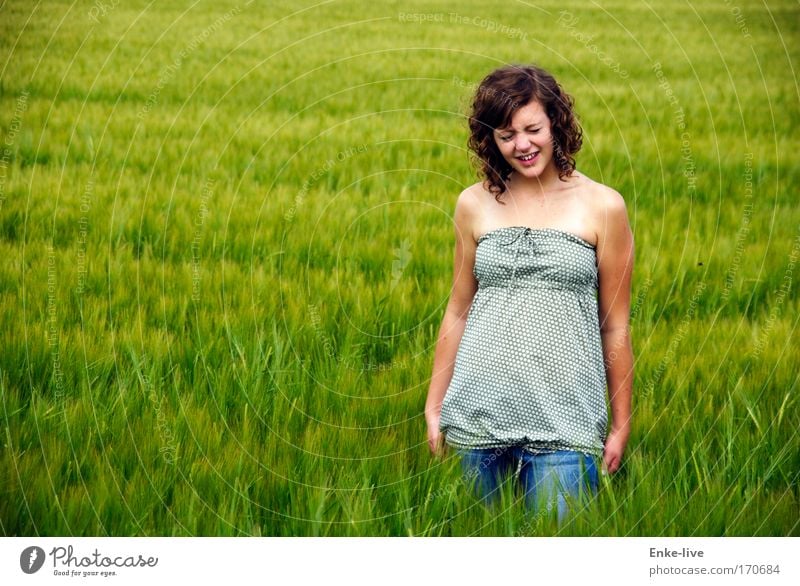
x: 502, y: 92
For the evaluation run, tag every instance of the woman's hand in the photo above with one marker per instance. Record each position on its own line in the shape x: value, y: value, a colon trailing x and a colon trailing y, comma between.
x: 436, y: 442
x: 614, y: 448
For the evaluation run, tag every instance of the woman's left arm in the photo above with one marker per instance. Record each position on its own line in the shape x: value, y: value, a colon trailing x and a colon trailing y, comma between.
x: 615, y: 255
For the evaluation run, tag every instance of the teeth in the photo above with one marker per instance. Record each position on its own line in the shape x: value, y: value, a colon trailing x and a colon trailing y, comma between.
x: 527, y: 157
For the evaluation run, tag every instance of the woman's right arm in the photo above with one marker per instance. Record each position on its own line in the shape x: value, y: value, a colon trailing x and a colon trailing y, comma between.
x: 455, y: 316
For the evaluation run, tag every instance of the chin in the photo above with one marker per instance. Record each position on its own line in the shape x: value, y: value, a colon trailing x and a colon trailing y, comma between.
x: 528, y: 171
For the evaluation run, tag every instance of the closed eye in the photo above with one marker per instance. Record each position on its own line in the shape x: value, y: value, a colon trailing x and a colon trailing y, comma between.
x: 510, y: 136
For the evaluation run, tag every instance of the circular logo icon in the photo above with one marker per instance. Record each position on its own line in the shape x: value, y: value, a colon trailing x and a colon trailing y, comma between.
x: 31, y: 559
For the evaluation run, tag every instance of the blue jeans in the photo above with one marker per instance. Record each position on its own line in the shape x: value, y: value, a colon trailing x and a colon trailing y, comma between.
x: 545, y: 478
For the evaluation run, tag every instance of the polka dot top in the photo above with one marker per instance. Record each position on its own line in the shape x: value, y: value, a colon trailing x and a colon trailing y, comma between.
x: 529, y: 369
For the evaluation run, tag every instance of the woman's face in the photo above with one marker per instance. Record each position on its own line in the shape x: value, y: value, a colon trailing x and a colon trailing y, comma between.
x: 527, y: 144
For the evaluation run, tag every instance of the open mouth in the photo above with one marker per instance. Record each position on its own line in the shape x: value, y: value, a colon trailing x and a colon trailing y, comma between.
x: 529, y: 158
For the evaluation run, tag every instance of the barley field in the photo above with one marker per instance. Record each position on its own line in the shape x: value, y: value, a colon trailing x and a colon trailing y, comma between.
x: 227, y: 247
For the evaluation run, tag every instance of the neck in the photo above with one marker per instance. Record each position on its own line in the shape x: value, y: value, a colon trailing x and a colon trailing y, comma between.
x: 540, y: 186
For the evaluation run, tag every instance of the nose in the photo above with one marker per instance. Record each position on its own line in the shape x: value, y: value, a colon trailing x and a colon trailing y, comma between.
x: 522, y: 142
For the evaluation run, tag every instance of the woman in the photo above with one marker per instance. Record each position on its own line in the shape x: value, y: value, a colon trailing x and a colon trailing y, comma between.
x: 537, y: 325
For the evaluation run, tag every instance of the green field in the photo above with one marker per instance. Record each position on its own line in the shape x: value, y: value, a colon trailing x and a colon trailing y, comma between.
x: 227, y: 247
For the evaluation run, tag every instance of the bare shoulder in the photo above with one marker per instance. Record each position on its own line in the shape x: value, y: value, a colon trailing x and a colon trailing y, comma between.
x: 602, y: 196
x: 615, y: 256
x: 607, y: 206
x: 468, y: 209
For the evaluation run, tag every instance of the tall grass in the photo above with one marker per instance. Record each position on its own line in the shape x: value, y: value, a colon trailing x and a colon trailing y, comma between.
x: 224, y: 270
